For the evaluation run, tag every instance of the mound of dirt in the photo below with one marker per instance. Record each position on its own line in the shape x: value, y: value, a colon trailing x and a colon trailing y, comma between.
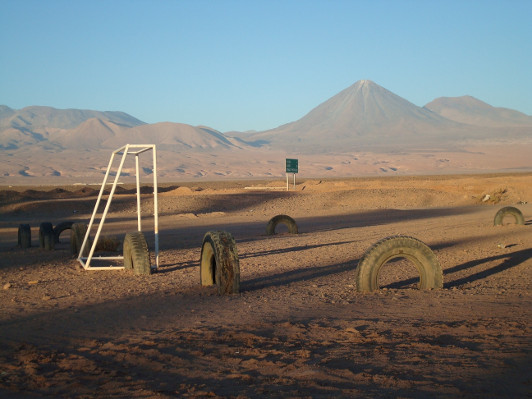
x: 178, y: 191
x: 321, y: 186
x: 85, y: 192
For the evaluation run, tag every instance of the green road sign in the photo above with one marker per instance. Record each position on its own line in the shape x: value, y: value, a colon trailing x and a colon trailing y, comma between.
x: 291, y: 166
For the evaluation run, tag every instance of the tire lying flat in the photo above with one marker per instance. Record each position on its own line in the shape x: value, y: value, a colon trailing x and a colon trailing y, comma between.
x: 508, y: 210
x: 412, y: 249
x: 219, y: 262
x: 284, y: 219
x: 136, y: 253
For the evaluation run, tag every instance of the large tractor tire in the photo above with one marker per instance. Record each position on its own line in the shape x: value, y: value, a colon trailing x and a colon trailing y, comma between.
x: 46, y: 236
x: 412, y: 249
x: 59, y: 228
x: 508, y: 210
x: 219, y: 262
x: 77, y: 235
x: 136, y: 254
x: 24, y: 236
x: 284, y: 219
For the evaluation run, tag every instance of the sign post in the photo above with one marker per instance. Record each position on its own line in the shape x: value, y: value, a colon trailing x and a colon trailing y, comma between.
x: 291, y: 167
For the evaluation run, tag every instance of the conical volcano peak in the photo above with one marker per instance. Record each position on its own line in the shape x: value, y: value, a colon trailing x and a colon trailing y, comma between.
x: 363, y: 85
x: 361, y: 105
x: 366, y: 83
x: 364, y: 89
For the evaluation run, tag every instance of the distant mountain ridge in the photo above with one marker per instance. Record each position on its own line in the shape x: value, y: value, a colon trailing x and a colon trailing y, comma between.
x: 469, y: 110
x: 364, y: 115
x: 44, y: 125
x: 41, y: 117
x: 363, y: 118
x: 85, y: 129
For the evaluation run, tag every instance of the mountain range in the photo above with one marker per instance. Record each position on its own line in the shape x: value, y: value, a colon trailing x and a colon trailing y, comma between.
x: 364, y: 117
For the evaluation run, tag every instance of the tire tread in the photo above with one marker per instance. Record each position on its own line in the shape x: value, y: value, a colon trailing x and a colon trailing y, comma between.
x: 227, y: 266
x: 508, y: 210
x: 136, y: 253
x: 284, y: 219
x: 431, y: 274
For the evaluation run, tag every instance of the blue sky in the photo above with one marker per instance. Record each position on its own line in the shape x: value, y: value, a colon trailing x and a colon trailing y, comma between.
x: 254, y: 65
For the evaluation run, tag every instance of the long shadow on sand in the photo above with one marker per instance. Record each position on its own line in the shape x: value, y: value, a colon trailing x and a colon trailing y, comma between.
x: 192, y: 236
x: 377, y: 218
x: 509, y: 260
x: 189, y: 264
x: 290, y: 249
x: 294, y: 276
x: 306, y: 274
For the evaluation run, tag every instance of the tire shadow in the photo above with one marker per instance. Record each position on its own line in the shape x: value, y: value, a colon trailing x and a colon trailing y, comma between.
x: 294, y: 276
x: 299, y: 275
x: 509, y: 260
x: 290, y: 249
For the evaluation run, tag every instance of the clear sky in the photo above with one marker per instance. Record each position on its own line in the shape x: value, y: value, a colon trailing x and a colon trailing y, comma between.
x: 257, y: 64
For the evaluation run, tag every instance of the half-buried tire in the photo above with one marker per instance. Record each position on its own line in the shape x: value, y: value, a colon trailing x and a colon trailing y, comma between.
x: 284, y: 219
x: 136, y: 254
x: 508, y: 210
x: 219, y: 262
x: 24, y: 236
x: 412, y: 249
x: 46, y: 236
x: 59, y: 228
x: 77, y: 235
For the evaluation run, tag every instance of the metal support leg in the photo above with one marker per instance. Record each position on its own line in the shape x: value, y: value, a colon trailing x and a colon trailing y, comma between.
x: 139, y: 223
x: 155, y: 208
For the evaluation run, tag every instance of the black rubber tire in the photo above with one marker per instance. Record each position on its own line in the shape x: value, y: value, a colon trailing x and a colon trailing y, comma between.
x: 46, y: 236
x: 59, y: 228
x: 412, y: 249
x: 77, y: 235
x: 508, y: 210
x: 219, y: 262
x: 24, y: 236
x: 136, y: 254
x: 285, y: 219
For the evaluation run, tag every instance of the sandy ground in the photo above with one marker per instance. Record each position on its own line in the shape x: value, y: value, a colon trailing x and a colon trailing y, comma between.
x: 299, y: 328
x: 36, y: 166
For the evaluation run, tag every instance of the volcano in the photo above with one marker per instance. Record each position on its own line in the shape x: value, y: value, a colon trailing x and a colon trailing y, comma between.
x: 365, y: 115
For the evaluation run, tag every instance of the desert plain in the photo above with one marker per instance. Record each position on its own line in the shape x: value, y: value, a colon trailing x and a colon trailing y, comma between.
x: 298, y: 328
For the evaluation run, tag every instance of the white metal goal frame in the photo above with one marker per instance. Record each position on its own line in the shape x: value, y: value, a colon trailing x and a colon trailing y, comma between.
x: 134, y: 149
